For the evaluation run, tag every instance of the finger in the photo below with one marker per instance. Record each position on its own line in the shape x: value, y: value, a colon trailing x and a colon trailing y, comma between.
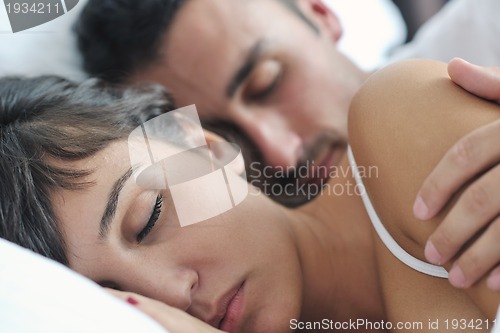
x: 171, y: 318
x: 128, y: 297
x: 479, y: 259
x: 159, y: 311
x: 120, y: 294
x: 493, y: 281
x: 475, y: 208
x: 481, y: 81
x: 137, y: 300
x: 474, y: 153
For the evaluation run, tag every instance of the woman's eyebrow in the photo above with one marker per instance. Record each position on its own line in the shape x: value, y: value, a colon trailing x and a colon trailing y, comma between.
x: 110, y: 210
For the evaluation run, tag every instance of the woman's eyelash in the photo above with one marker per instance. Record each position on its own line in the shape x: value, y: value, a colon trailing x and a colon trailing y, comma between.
x: 152, y: 220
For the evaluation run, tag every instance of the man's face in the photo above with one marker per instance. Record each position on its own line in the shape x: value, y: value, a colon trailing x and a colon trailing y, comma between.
x: 259, y: 66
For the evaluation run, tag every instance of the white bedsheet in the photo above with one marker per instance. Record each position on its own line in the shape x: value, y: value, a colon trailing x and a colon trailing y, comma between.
x: 42, y: 296
x: 496, y: 329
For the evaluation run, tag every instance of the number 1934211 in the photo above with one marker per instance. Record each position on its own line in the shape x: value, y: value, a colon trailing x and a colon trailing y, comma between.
x: 33, y: 8
x: 464, y: 324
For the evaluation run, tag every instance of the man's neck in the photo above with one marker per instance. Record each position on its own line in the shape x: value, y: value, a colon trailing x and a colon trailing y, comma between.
x: 335, y: 246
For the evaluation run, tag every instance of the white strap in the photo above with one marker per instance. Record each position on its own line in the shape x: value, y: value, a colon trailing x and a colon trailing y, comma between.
x: 384, y: 235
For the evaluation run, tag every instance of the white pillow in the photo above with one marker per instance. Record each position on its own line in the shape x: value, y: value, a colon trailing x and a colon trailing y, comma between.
x: 372, y: 28
x: 496, y: 329
x: 468, y: 29
x: 40, y: 295
x: 46, y: 49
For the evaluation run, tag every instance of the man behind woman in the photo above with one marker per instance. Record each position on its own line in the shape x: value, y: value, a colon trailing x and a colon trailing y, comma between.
x: 249, y: 269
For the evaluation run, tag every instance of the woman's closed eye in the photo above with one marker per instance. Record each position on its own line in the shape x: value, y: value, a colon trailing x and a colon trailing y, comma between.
x: 155, y: 214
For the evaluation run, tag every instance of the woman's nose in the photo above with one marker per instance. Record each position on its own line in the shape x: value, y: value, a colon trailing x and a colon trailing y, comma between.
x: 174, y: 286
x: 178, y: 288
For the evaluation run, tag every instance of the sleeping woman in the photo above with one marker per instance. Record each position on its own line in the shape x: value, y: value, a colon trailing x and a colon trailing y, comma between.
x: 344, y: 262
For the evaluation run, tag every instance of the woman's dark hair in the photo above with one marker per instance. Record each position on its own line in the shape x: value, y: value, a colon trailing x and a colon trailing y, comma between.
x: 48, y: 120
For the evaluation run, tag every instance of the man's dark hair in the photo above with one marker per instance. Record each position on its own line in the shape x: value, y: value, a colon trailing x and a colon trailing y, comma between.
x: 120, y: 37
x: 45, y: 124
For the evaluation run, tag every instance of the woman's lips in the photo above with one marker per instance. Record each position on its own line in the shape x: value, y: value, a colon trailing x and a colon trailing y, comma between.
x: 233, y: 312
x: 223, y: 305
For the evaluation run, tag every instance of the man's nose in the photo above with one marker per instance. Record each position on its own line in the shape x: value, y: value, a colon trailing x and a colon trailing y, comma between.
x: 280, y: 145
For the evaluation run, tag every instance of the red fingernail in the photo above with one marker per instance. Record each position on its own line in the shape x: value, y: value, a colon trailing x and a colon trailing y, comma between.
x: 132, y: 301
x: 320, y: 8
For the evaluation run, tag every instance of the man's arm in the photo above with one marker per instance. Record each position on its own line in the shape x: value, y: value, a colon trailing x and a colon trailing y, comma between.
x: 403, y: 121
x: 476, y: 153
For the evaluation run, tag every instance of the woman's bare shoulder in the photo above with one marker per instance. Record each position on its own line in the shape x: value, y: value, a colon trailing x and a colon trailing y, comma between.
x: 403, y: 121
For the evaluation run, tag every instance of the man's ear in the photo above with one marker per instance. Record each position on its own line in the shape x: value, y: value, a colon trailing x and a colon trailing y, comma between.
x: 212, y: 137
x: 213, y: 141
x: 225, y: 152
x: 323, y: 16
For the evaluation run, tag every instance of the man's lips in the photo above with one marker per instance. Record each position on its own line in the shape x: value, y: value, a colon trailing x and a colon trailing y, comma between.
x: 225, y: 306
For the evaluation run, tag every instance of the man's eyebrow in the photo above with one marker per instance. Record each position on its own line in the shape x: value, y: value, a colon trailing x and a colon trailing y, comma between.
x: 246, y: 68
x: 110, y: 210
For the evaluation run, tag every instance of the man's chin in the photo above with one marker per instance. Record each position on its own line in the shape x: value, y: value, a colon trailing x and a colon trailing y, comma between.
x: 306, y: 182
x: 297, y: 192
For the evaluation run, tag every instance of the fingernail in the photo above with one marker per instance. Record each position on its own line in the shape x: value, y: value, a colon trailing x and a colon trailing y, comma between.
x: 432, y: 254
x: 493, y: 281
x: 420, y: 209
x: 320, y: 8
x: 457, y: 277
x: 132, y: 301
